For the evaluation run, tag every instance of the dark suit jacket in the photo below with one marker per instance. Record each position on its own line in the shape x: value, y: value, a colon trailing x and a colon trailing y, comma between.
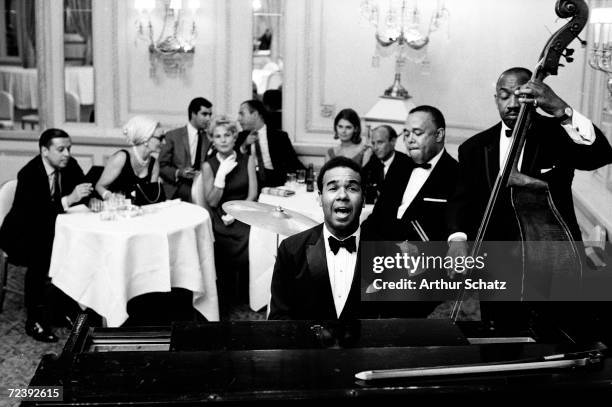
x: 301, y: 287
x: 175, y: 154
x: 27, y: 232
x: 283, y: 156
x: 440, y: 185
x: 373, y: 171
x: 550, y: 155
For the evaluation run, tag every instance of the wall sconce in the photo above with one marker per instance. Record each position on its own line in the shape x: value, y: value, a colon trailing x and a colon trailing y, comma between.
x: 601, y: 53
x: 175, y: 44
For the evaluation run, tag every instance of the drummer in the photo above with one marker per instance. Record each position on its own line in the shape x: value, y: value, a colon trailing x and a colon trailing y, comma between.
x: 229, y: 175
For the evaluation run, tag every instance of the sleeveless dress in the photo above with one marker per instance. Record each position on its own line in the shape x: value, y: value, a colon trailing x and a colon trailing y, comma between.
x: 231, y: 241
x: 357, y: 158
x: 127, y: 180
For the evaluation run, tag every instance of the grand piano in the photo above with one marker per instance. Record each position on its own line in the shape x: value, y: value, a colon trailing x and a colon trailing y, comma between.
x: 306, y: 361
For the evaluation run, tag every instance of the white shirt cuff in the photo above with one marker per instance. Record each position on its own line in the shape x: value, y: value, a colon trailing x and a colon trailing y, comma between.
x: 581, y: 130
x: 457, y: 236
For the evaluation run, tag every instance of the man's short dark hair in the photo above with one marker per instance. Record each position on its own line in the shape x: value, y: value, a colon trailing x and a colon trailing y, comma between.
x: 255, y: 105
x: 390, y: 131
x: 196, y: 104
x: 436, y: 115
x: 50, y: 134
x: 339, y: 161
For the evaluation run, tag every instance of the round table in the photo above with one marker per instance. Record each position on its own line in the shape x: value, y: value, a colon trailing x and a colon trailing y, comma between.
x: 103, y: 264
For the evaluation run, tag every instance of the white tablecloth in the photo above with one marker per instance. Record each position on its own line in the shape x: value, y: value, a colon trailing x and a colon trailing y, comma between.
x: 262, y: 243
x: 22, y: 83
x: 103, y: 264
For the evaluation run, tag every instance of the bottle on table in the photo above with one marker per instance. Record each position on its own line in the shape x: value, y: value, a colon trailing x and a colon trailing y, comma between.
x: 310, y: 179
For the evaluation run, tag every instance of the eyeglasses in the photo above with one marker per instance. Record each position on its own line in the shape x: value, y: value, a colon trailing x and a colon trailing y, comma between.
x: 160, y: 138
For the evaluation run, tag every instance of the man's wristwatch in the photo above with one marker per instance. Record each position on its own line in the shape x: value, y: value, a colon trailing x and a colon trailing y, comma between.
x: 566, y: 118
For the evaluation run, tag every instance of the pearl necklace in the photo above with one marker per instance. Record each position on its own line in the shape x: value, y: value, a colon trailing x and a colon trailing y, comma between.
x: 139, y: 160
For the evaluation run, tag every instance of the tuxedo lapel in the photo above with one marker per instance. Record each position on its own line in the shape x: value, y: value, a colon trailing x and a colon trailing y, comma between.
x: 317, y: 266
x: 491, y: 155
x: 185, y: 139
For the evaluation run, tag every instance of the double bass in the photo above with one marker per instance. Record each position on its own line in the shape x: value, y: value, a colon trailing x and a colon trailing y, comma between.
x: 549, y: 258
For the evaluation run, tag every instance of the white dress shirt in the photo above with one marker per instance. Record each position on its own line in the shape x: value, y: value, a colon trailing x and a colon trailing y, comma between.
x: 415, y: 183
x: 262, y: 135
x: 387, y: 163
x: 51, y: 178
x: 580, y: 130
x: 341, y: 269
x: 192, y: 135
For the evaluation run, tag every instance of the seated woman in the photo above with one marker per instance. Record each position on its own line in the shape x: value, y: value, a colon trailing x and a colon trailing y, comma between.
x: 347, y: 128
x: 227, y: 176
x: 126, y: 170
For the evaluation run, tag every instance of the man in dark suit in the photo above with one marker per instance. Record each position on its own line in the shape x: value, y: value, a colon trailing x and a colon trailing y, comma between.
x: 555, y: 147
x: 47, y: 185
x: 274, y: 153
x: 418, y: 193
x: 184, y: 151
x: 315, y: 273
x: 384, y: 163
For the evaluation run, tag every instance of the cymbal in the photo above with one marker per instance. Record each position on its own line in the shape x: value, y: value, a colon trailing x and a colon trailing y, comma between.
x: 273, y: 218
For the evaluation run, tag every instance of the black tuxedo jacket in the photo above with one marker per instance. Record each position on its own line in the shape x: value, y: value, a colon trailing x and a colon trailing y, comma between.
x: 283, y: 156
x: 27, y: 232
x: 373, y: 171
x: 428, y: 207
x: 549, y: 154
x: 175, y: 154
x: 301, y: 287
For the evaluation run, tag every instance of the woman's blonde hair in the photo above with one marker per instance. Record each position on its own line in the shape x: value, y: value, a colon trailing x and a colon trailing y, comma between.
x: 223, y: 120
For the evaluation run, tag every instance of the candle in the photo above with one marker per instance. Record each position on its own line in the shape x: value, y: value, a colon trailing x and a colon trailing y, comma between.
x: 596, y: 34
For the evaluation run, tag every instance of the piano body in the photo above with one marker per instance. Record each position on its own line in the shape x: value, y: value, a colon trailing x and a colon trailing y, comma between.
x: 308, y: 361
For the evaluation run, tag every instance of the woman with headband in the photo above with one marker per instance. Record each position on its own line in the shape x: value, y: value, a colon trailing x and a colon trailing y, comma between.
x: 129, y: 168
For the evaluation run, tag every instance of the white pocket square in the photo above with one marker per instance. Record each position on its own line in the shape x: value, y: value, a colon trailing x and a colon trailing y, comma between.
x: 545, y: 170
x: 434, y: 200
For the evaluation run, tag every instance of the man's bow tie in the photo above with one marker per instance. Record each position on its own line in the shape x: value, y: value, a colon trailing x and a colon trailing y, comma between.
x: 425, y: 166
x: 509, y: 133
x: 349, y: 244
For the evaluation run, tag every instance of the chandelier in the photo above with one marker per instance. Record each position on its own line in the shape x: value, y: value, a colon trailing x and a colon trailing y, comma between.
x: 398, y: 28
x: 600, y: 57
x: 398, y: 31
x: 173, y: 48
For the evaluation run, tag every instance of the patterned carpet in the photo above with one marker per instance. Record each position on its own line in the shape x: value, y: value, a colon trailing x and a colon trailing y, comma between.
x: 20, y: 354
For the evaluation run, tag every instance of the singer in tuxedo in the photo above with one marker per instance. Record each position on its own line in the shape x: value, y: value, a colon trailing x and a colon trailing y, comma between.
x: 47, y: 185
x: 185, y: 150
x: 418, y: 193
x: 315, y: 271
x: 274, y: 153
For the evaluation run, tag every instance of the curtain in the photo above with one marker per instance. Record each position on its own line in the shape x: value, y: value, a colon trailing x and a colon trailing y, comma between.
x: 27, y: 32
x: 78, y: 18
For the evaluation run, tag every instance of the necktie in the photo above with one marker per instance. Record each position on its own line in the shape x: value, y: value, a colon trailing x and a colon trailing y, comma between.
x: 56, y: 194
x: 424, y: 166
x: 349, y: 244
x: 509, y: 133
x: 261, y: 174
x: 198, y: 155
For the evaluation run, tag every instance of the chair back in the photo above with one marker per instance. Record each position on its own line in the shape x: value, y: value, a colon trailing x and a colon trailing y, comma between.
x: 275, y: 80
x: 197, y: 191
x: 7, y: 195
x: 7, y: 106
x: 73, y: 107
